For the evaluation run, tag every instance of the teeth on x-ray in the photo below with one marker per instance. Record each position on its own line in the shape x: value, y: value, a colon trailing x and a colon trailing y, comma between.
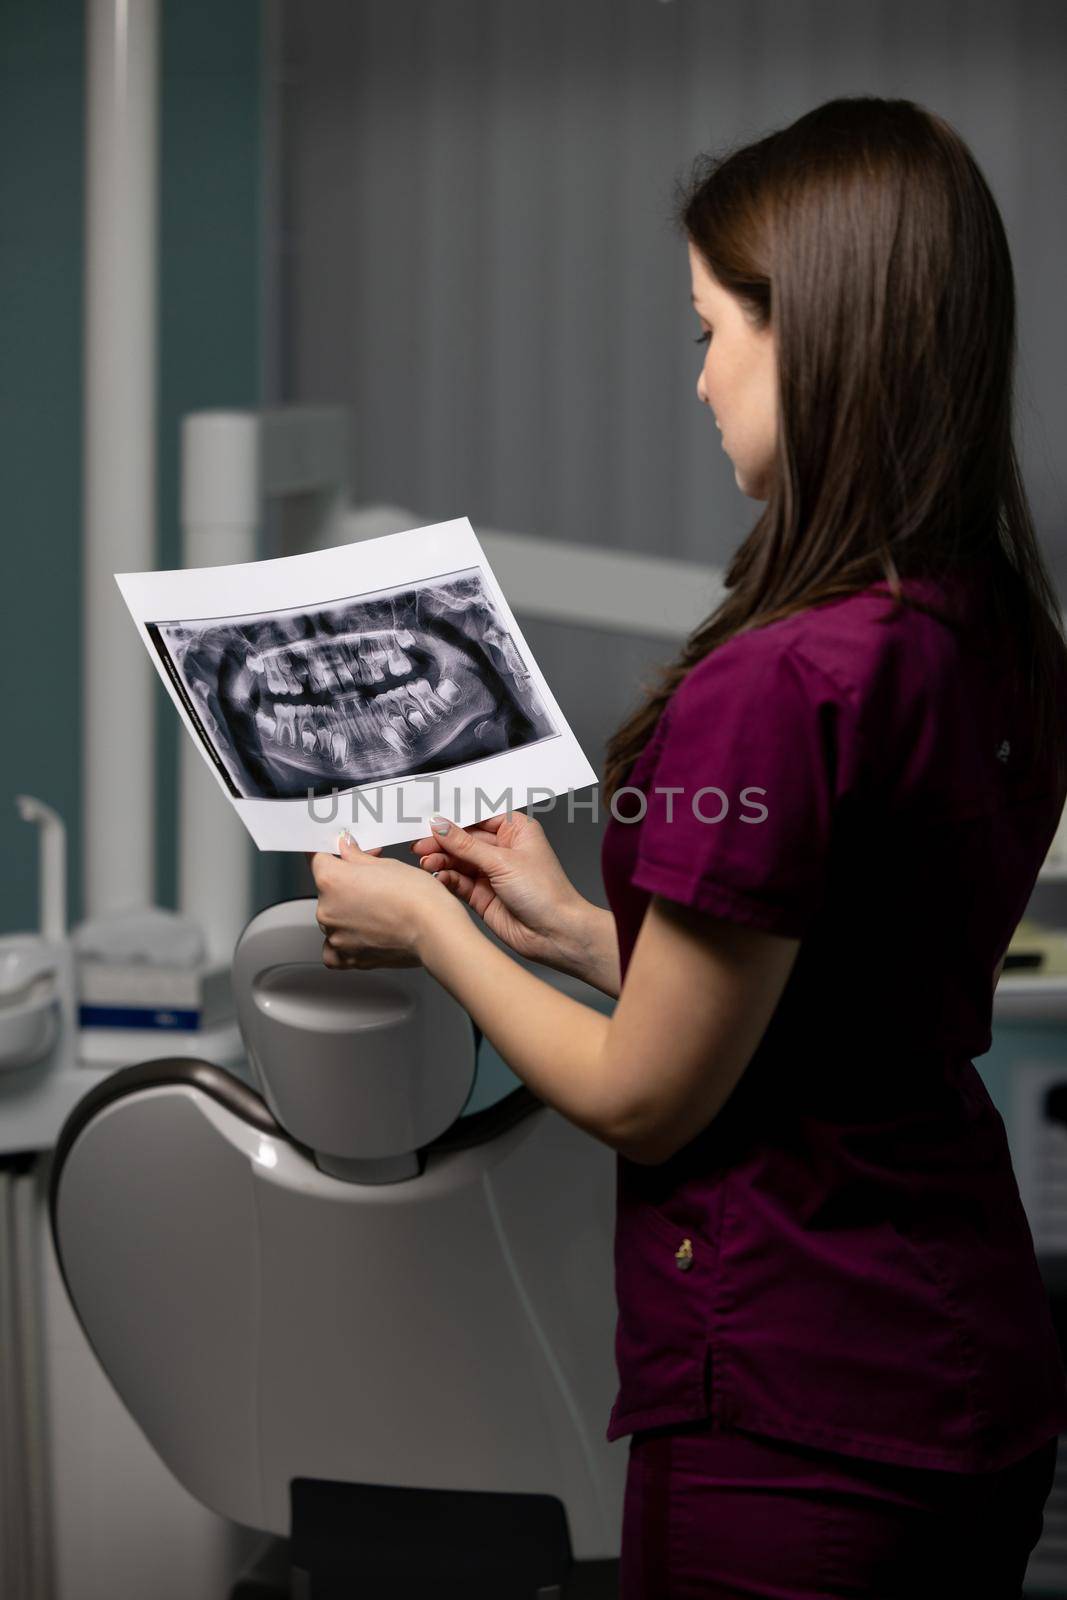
x: 350, y: 692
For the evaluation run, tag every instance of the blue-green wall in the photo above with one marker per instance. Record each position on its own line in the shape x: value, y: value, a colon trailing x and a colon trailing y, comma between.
x: 41, y: 188
x: 209, y: 304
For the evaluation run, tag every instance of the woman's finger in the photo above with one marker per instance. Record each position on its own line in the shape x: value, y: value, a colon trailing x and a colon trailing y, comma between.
x: 435, y: 861
x: 457, y: 883
x: 447, y: 872
x: 479, y: 830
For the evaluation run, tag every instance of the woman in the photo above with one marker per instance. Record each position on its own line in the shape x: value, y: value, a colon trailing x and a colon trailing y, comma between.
x: 835, y: 1352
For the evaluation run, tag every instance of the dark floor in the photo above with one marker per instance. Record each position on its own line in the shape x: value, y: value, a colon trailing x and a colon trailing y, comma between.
x: 269, y: 1577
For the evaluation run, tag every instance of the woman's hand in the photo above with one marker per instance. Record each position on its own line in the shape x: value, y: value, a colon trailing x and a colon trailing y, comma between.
x: 505, y: 869
x: 372, y: 913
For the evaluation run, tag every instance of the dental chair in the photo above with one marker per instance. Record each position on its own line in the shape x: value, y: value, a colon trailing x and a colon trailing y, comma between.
x: 342, y: 1311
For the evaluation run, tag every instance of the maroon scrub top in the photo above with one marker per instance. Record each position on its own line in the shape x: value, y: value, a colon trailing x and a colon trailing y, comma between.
x: 859, y: 1273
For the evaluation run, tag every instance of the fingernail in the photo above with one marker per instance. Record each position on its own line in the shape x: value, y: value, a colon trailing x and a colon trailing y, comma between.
x: 344, y: 837
x: 440, y: 824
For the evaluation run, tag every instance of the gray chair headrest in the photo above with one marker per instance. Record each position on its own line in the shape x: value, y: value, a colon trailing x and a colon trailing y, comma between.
x: 359, y: 1066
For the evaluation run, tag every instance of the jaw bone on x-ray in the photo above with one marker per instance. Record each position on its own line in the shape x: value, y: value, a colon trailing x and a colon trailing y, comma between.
x: 375, y: 670
x: 379, y: 686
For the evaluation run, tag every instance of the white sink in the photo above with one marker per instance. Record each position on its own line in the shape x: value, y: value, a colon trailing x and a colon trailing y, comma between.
x: 29, y: 1000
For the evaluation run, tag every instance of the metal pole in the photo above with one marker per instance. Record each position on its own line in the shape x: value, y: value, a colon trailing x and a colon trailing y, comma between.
x: 118, y: 758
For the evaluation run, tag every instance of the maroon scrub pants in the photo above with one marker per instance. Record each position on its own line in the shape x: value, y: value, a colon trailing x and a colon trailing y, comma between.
x: 709, y: 1515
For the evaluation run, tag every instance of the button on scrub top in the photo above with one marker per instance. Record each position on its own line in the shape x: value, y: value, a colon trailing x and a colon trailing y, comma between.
x: 841, y: 1257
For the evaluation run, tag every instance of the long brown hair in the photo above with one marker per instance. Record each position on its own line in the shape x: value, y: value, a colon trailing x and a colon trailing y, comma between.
x: 867, y: 231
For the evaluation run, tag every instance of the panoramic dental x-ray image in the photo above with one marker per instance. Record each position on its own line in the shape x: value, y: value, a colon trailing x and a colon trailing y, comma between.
x: 379, y: 686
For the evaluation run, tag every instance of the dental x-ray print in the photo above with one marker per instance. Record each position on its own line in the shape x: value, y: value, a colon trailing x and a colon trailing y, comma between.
x: 374, y: 686
x: 365, y: 686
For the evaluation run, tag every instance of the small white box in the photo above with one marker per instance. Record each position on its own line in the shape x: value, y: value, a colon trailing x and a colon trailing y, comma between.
x: 137, y: 995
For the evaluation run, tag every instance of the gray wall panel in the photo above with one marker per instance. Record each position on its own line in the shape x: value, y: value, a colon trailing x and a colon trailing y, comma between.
x: 477, y: 253
x: 478, y: 256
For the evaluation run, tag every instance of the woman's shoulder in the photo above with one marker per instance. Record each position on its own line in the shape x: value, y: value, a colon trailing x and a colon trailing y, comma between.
x: 856, y: 643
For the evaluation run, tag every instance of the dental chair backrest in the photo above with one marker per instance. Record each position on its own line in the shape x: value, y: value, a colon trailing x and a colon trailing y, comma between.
x: 363, y: 1068
x: 269, y: 1323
